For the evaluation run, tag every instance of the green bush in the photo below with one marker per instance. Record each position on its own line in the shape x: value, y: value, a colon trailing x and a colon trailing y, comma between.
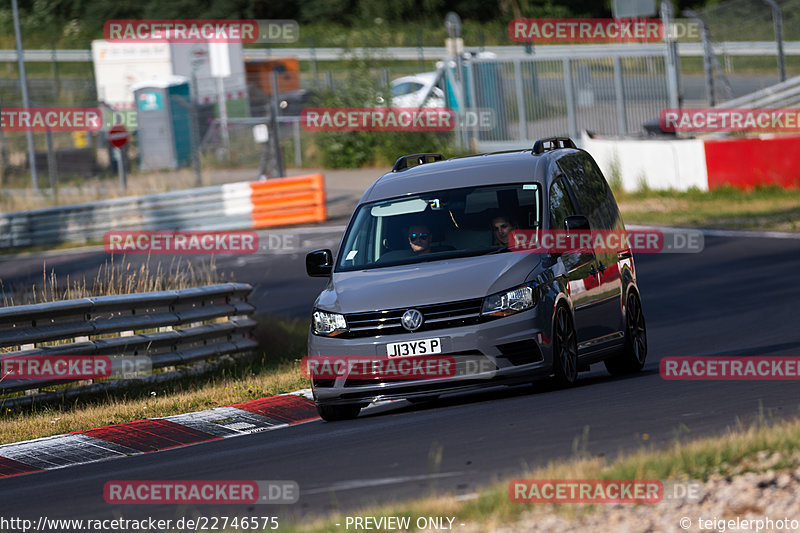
x: 354, y: 149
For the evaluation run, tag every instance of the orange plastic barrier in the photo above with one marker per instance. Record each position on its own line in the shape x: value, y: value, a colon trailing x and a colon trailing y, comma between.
x: 292, y: 200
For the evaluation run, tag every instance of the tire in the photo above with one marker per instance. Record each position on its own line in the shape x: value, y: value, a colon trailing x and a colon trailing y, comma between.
x: 334, y: 413
x: 634, y: 352
x: 565, y: 349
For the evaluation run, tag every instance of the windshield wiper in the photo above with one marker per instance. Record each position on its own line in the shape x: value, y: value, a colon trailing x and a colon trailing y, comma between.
x: 496, y: 251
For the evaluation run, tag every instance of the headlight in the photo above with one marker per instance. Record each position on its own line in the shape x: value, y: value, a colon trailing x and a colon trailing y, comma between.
x: 328, y: 324
x: 509, y: 302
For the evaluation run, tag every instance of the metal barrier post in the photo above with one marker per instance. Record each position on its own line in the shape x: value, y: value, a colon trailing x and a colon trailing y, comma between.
x: 276, y: 139
x: 523, y: 122
x: 777, y: 21
x: 298, y: 152
x: 572, y: 120
x: 671, y: 57
x: 619, y: 90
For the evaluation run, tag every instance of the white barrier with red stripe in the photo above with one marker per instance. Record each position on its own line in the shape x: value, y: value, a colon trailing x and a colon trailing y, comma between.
x: 703, y: 163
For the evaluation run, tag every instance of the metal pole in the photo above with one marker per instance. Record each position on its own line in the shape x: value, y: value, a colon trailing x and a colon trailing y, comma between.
x: 472, y: 142
x: 572, y: 120
x: 194, y: 112
x: 420, y: 53
x: 619, y: 89
x: 298, y: 152
x: 3, y: 156
x: 276, y: 139
x: 123, y: 179
x: 708, y: 56
x: 671, y: 57
x: 523, y: 122
x: 23, y: 83
x: 52, y: 167
x: 54, y: 65
x: 777, y: 20
x: 223, y: 116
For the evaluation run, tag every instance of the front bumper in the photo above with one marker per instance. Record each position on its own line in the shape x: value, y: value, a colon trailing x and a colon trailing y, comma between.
x: 505, y: 350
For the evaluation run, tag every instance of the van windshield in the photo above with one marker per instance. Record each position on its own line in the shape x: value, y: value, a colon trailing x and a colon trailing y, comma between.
x: 438, y: 225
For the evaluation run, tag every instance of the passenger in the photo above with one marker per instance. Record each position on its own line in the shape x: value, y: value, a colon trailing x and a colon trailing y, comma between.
x: 501, y: 229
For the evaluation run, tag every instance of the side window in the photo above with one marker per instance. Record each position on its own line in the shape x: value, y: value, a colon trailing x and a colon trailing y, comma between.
x: 595, y: 199
x: 560, y: 204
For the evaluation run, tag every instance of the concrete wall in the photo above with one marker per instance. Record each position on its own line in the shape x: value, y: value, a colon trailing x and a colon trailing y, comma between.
x: 661, y: 164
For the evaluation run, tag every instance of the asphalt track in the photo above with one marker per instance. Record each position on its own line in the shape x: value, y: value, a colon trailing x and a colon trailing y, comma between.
x: 738, y: 298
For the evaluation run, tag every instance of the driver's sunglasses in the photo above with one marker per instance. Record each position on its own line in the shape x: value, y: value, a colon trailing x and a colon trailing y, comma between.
x: 415, y: 236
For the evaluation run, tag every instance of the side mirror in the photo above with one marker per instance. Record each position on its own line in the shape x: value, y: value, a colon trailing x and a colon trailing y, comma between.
x: 319, y: 263
x: 576, y: 223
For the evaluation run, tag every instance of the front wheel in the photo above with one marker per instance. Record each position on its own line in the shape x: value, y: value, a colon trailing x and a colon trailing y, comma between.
x: 634, y: 352
x: 334, y: 413
x: 565, y: 349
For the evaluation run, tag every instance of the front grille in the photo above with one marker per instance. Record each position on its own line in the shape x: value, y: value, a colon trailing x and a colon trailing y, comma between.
x: 436, y: 316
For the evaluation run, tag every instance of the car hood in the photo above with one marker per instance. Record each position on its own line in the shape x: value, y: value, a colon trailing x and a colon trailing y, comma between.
x: 426, y: 283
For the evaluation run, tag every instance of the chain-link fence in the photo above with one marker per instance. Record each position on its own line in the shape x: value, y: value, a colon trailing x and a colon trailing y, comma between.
x: 731, y: 73
x: 531, y: 92
x: 533, y: 98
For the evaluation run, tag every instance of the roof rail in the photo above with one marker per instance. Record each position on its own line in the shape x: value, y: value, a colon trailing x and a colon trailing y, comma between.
x: 554, y: 142
x: 421, y: 159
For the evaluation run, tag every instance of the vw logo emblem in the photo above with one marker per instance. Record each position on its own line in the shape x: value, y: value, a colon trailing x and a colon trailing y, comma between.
x: 412, y: 320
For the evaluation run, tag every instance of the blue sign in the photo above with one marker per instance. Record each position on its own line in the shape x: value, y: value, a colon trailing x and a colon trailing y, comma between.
x: 150, y: 101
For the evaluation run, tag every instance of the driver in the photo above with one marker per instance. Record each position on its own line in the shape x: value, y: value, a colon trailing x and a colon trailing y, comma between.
x: 419, y: 238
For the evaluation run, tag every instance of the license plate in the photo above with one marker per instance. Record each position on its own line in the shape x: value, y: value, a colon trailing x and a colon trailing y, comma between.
x: 420, y: 347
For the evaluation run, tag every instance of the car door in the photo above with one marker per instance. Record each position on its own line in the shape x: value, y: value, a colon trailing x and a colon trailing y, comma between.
x: 596, y: 202
x: 581, y: 274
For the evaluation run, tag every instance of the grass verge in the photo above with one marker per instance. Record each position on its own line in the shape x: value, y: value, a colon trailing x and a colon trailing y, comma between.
x: 275, y: 370
x: 742, y: 448
x: 762, y: 208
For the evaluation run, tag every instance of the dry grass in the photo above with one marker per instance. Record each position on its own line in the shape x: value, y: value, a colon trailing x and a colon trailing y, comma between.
x: 116, y: 277
x: 767, y: 208
x: 275, y: 371
x: 160, y: 400
x: 734, y: 452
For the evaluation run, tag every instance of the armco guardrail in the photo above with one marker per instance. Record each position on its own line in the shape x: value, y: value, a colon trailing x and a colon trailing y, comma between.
x: 183, y: 315
x: 733, y: 48
x: 244, y: 205
x: 783, y: 94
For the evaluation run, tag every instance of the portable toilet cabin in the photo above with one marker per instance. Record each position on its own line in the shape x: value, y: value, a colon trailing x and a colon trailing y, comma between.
x: 164, y: 122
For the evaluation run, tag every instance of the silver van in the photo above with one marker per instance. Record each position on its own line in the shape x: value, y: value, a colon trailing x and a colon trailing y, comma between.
x: 425, y: 270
